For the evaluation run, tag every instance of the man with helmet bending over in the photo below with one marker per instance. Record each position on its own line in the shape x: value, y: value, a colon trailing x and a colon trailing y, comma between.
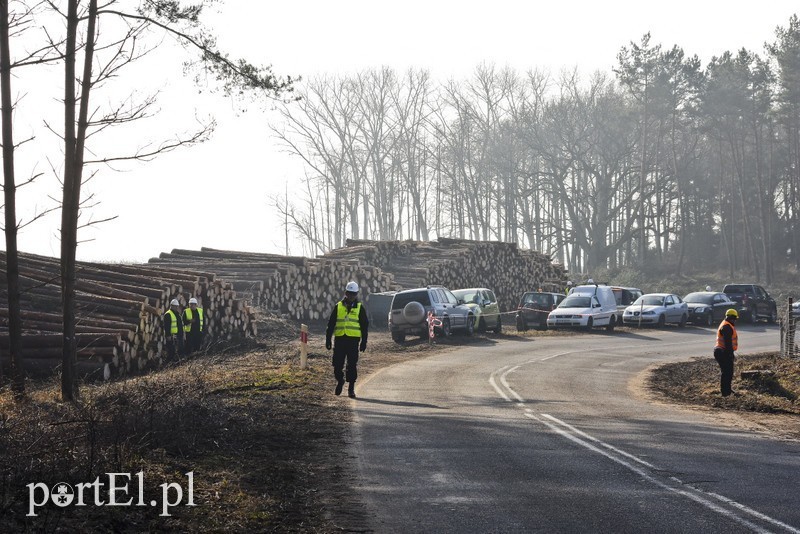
x: 727, y: 343
x: 348, y: 325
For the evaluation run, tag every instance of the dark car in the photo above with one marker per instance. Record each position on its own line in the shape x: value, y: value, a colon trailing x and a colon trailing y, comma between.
x: 708, y: 308
x: 752, y: 302
x: 534, y: 307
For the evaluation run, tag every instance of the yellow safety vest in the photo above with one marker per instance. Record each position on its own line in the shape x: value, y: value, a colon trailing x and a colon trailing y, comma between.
x: 187, y: 325
x: 174, y: 325
x: 347, y: 323
x: 721, y: 340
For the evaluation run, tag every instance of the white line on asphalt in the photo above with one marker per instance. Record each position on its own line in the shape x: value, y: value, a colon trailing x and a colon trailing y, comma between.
x: 703, y: 496
x: 495, y: 386
x: 650, y: 478
x: 604, y: 444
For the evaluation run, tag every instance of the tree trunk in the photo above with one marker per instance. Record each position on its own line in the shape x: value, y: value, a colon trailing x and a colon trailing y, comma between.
x: 9, y: 188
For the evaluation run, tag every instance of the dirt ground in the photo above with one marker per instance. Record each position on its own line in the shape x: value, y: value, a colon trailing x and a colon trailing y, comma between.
x: 265, y: 440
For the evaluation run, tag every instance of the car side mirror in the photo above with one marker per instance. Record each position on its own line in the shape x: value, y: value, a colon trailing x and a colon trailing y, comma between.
x: 461, y: 301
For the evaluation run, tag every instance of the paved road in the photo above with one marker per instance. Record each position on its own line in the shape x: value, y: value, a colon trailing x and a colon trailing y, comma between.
x: 545, y: 435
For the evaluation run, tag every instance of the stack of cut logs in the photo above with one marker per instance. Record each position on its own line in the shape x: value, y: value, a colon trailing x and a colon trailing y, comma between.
x: 119, y: 311
x: 303, y: 288
x: 460, y: 263
x: 120, y: 306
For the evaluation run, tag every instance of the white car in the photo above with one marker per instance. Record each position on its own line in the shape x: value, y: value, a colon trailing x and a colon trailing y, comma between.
x: 586, y: 307
x: 658, y: 309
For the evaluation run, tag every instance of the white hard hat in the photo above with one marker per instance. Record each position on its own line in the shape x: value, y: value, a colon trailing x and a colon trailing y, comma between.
x: 590, y: 281
x: 569, y: 282
x: 708, y: 288
x: 352, y: 287
x: 174, y: 302
x: 192, y: 300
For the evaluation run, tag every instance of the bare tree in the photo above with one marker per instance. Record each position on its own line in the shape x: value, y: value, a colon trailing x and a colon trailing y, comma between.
x: 15, y: 23
x: 103, y: 60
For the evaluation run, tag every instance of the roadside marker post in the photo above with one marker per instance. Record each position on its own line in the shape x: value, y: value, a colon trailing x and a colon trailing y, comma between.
x: 303, y: 346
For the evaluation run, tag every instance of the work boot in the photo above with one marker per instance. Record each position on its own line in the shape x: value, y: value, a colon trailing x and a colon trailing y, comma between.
x: 351, y: 392
x: 339, y: 386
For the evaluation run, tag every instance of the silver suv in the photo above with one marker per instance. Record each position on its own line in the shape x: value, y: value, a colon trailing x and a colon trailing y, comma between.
x: 410, y: 308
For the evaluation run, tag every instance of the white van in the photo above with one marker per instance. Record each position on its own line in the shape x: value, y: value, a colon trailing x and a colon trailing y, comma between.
x: 586, y: 306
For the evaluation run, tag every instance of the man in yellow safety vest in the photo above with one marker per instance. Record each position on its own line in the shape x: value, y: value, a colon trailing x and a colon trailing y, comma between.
x: 194, y: 325
x: 727, y: 343
x: 173, y: 330
x: 349, y: 325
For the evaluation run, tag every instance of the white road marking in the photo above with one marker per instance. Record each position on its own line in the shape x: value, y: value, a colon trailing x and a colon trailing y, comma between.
x: 700, y: 499
x: 621, y: 457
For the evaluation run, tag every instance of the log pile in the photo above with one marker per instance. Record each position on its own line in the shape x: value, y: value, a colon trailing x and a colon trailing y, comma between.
x: 302, y: 288
x: 119, y: 311
x: 459, y: 263
x: 120, y: 306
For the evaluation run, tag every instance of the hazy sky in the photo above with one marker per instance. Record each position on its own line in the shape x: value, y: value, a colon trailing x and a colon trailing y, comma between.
x: 217, y: 194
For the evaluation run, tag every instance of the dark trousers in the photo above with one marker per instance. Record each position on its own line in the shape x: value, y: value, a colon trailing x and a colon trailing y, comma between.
x: 193, y: 342
x: 345, y: 349
x: 174, y: 347
x: 725, y: 360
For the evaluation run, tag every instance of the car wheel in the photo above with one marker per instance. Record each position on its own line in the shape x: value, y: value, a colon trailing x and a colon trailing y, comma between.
x: 521, y: 326
x: 445, y: 327
x: 470, y: 328
x: 398, y: 337
x: 499, y: 327
x: 589, y: 323
x: 662, y: 320
x: 709, y: 319
x: 773, y: 316
x: 683, y: 321
x: 611, y: 323
x: 481, y: 325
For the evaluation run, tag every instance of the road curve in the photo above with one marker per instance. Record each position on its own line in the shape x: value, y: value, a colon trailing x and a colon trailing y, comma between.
x: 544, y: 435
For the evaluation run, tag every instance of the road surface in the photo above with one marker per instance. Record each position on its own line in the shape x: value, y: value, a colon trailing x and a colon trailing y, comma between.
x: 547, y: 435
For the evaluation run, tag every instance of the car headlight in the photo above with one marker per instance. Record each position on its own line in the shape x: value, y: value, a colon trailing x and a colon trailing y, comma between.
x: 700, y: 310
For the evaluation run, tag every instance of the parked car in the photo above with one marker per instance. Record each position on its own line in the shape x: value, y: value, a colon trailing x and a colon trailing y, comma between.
x: 625, y: 296
x: 753, y: 302
x: 707, y: 308
x: 409, y: 312
x: 586, y: 306
x: 658, y: 309
x: 534, y: 307
x: 484, y: 306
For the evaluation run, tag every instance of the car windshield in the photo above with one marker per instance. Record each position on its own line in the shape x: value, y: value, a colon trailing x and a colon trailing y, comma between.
x: 576, y: 301
x: 732, y: 288
x: 700, y: 298
x: 466, y: 295
x: 649, y: 300
x: 539, y: 299
x: 401, y: 299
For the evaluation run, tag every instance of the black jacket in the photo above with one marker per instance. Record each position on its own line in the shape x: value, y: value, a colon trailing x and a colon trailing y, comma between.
x: 362, y: 320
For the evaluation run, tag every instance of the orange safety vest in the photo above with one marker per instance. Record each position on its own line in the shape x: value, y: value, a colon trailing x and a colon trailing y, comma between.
x: 721, y: 340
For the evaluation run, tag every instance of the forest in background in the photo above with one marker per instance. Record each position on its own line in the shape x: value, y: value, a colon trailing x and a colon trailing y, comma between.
x: 663, y: 161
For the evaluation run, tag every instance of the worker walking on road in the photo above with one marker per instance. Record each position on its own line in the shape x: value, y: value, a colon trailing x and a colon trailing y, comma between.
x: 348, y: 325
x: 173, y: 330
x: 727, y: 343
x: 194, y: 326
